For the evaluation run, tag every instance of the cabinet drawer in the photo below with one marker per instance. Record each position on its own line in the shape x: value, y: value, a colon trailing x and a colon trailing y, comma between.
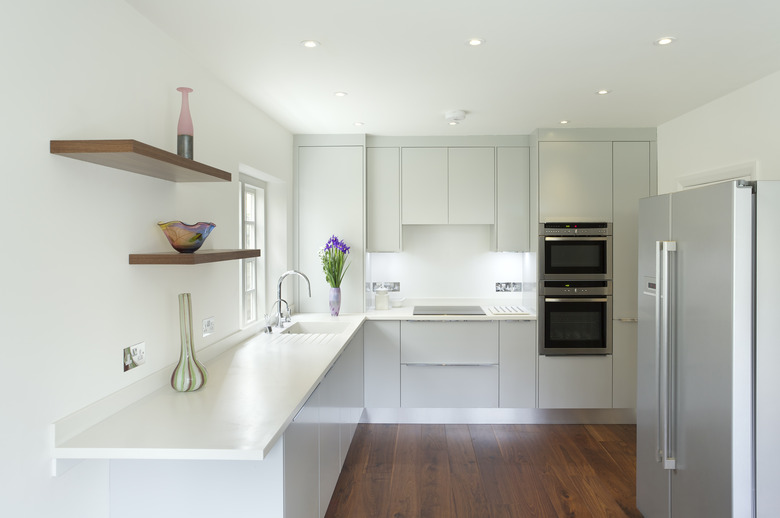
x: 451, y: 386
x: 449, y: 342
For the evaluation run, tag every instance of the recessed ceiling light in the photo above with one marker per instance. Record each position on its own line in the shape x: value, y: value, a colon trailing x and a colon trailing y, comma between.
x: 603, y: 92
x: 564, y: 122
x: 340, y: 94
x: 666, y: 40
x: 476, y: 42
x: 453, y: 123
x: 360, y: 123
x: 310, y: 44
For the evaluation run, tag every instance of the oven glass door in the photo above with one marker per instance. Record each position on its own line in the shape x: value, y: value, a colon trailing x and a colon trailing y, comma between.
x: 576, y: 258
x: 576, y: 325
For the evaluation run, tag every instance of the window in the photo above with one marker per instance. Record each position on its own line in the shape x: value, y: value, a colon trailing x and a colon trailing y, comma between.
x: 253, y: 236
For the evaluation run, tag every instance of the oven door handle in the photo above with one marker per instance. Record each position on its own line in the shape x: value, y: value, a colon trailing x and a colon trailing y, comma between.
x: 577, y: 238
x: 577, y: 299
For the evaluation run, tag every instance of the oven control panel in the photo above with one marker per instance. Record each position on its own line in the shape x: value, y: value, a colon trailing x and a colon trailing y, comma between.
x: 575, y: 229
x: 575, y: 288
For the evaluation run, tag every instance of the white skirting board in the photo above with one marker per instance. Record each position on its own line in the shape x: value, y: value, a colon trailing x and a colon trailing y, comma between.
x: 500, y: 415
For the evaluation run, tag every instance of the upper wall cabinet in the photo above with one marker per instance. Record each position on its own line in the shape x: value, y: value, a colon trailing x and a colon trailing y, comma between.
x: 383, y: 199
x: 575, y: 181
x: 472, y: 185
x: 512, y: 196
x: 424, y: 186
x: 448, y: 185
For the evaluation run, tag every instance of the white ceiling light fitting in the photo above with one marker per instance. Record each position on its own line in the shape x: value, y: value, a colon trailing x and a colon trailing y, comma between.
x: 453, y: 117
x: 475, y: 42
x: 564, y: 122
x: 666, y: 40
x: 603, y: 92
x: 340, y: 94
x: 310, y: 44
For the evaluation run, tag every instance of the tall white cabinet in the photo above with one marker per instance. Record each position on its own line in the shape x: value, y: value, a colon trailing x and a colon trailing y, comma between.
x: 632, y: 180
x: 598, y: 175
x: 329, y: 202
x: 575, y: 181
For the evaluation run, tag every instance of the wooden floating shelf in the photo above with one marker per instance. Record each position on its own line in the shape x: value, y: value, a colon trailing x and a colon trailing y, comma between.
x: 199, y: 257
x: 140, y: 158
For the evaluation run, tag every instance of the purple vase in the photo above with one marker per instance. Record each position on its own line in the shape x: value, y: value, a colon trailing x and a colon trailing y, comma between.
x: 334, y: 301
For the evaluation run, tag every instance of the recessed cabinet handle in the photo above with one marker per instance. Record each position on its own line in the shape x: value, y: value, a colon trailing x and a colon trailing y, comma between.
x: 629, y: 320
x: 450, y: 364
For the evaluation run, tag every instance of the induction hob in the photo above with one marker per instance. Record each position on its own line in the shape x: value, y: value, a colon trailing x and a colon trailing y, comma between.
x: 448, y: 310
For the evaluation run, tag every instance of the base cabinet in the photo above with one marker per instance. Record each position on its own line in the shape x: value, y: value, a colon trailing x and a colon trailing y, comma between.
x: 517, y: 371
x: 449, y: 364
x: 624, y: 356
x: 449, y: 386
x: 382, y: 363
x: 301, y: 462
x: 317, y: 441
x: 575, y: 381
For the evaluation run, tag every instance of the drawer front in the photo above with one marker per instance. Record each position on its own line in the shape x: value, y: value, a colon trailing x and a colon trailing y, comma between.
x: 436, y: 386
x: 449, y: 342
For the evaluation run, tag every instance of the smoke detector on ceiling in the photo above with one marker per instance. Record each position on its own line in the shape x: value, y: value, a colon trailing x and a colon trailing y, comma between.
x: 454, y: 117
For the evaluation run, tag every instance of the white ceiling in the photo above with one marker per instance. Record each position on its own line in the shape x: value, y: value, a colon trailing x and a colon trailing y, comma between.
x: 404, y: 63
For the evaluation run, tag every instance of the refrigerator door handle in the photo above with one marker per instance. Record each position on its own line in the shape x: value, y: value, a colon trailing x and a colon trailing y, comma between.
x: 666, y: 349
x: 659, y: 325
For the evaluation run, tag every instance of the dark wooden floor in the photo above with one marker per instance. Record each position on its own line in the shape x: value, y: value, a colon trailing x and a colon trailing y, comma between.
x: 488, y: 471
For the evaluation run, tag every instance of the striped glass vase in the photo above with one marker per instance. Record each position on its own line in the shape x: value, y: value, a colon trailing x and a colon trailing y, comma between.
x: 189, y: 373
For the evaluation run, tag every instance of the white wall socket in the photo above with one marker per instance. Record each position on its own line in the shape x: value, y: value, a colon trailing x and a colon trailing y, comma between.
x: 134, y: 356
x: 209, y: 326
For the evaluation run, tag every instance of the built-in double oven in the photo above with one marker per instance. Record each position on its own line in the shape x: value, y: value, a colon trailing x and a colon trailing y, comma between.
x: 575, y: 288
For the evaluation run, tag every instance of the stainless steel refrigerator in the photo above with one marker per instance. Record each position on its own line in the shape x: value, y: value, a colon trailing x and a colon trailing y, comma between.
x: 696, y: 353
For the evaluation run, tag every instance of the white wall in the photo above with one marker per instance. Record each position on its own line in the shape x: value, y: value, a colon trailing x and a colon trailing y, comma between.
x: 448, y: 261
x: 741, y: 127
x: 69, y: 303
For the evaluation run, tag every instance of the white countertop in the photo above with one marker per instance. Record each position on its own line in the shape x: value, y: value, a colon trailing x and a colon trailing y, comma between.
x: 253, y: 392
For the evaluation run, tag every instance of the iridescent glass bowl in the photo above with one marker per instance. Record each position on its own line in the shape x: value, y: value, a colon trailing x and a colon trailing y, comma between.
x: 186, y: 238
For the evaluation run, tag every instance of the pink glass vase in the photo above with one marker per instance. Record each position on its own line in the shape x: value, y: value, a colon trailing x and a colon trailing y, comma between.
x: 184, y: 132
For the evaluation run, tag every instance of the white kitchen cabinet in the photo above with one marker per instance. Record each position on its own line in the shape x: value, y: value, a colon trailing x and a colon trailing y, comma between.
x: 424, y: 195
x: 383, y: 199
x: 330, y: 201
x: 513, y: 199
x: 575, y: 381
x: 329, y: 437
x: 382, y: 364
x: 301, y: 462
x: 430, y: 341
x: 517, y: 360
x: 631, y: 181
x: 449, y: 364
x: 442, y: 185
x: 317, y: 441
x: 349, y: 374
x: 575, y: 181
x: 449, y: 386
x: 624, y: 350
x: 472, y: 185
